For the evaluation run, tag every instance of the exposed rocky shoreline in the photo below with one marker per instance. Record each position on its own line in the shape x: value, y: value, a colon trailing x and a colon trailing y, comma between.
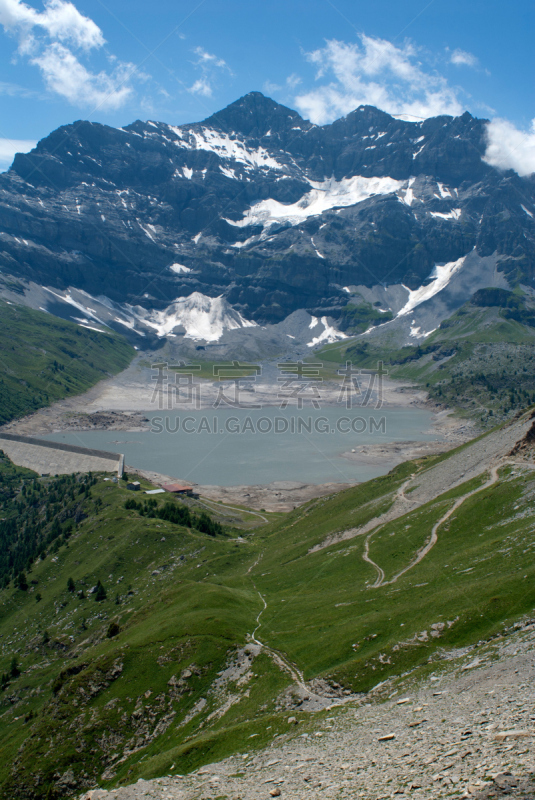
x: 275, y: 496
x: 126, y: 402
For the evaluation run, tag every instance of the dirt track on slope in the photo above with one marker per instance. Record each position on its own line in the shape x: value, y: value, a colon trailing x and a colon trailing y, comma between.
x: 482, y: 455
x: 466, y: 731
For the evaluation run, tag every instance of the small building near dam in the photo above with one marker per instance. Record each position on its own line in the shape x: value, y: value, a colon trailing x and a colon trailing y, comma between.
x: 177, y: 488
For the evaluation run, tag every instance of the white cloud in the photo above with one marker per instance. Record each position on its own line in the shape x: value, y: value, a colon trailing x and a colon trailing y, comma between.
x: 14, y: 90
x: 50, y: 37
x: 291, y: 83
x: 510, y: 148
x: 271, y: 88
x: 293, y: 80
x: 8, y: 147
x: 201, y: 87
x: 375, y: 72
x: 461, y: 58
x: 209, y: 58
x: 208, y: 63
x: 66, y: 76
x: 60, y: 20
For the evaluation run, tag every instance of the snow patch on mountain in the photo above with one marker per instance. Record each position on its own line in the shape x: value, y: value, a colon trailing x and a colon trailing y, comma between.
x: 67, y: 298
x: 439, y: 277
x: 229, y: 173
x: 130, y: 323
x: 227, y: 147
x: 196, y: 317
x: 84, y: 323
x: 179, y: 268
x: 455, y: 213
x: 444, y: 191
x: 247, y: 242
x: 408, y: 197
x: 328, y: 335
x: 320, y: 255
x: 145, y: 231
x: 203, y: 318
x: 323, y: 196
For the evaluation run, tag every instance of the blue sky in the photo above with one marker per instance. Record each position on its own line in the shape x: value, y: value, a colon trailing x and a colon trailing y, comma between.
x: 114, y: 62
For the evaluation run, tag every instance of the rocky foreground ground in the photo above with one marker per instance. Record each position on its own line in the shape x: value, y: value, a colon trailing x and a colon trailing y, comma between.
x: 466, y: 731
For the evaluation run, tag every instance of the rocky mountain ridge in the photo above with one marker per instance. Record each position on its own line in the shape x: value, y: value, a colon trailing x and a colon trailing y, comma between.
x: 262, y: 208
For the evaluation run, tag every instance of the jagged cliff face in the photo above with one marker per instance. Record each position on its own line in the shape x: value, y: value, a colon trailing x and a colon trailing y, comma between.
x: 260, y: 206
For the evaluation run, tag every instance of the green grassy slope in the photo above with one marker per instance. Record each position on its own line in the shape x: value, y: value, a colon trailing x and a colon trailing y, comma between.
x: 478, y: 361
x: 155, y: 695
x: 328, y: 623
x: 43, y: 359
x: 152, y: 572
x: 356, y: 318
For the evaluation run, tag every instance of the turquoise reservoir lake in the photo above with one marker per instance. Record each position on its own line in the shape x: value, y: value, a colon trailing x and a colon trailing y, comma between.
x: 229, y: 447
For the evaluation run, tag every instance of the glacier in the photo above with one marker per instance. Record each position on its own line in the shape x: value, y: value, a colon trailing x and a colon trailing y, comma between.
x: 323, y: 196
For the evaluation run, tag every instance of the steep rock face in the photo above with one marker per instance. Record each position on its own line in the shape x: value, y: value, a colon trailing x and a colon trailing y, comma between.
x: 256, y: 116
x: 260, y: 206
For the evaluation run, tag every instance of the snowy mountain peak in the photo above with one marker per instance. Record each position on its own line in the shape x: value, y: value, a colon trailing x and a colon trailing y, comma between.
x: 261, y: 207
